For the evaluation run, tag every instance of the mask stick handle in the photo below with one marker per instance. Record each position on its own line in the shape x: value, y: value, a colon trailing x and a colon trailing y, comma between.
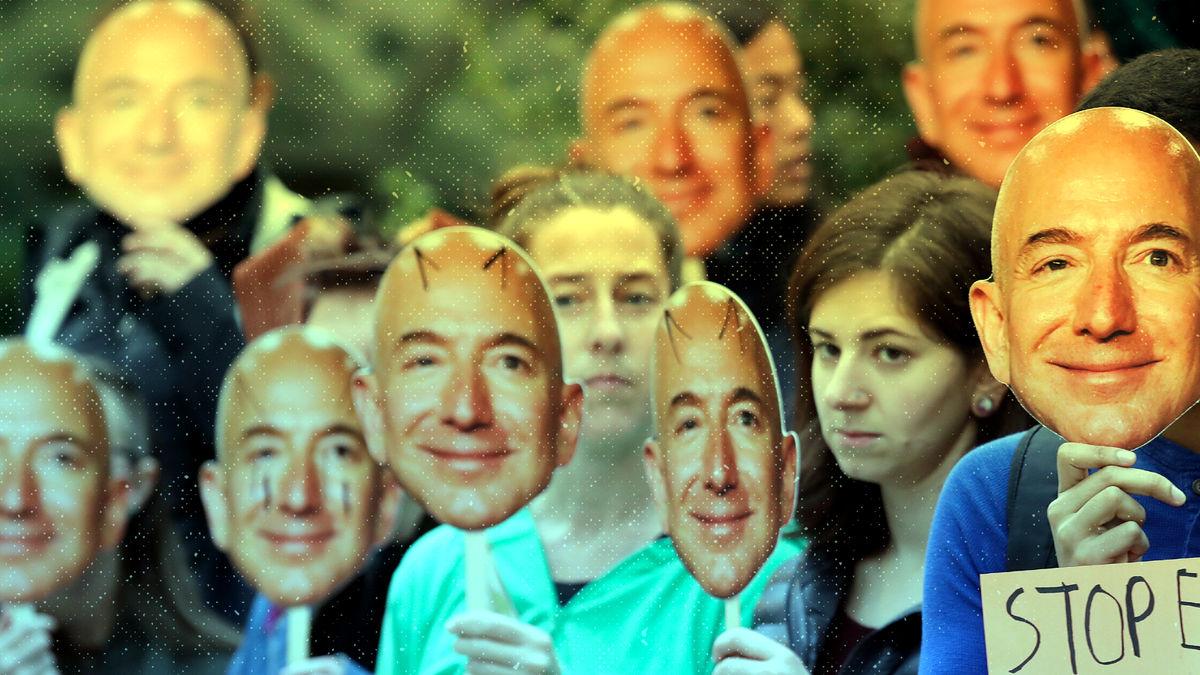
x: 733, y: 612
x: 299, y: 627
x: 477, y: 570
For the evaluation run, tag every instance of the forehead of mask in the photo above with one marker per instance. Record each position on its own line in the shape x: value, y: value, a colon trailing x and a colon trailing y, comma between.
x: 465, y: 278
x: 707, y: 334
x: 59, y: 390
x: 44, y: 395
x: 1100, y: 165
x: 131, y: 44
x: 936, y: 18
x: 288, y: 378
x: 670, y: 51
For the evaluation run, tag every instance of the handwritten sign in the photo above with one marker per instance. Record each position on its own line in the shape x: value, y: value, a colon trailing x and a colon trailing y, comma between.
x: 1112, y: 619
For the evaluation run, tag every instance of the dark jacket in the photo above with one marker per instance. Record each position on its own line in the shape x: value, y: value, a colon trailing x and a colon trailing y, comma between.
x: 175, y: 349
x: 801, y: 601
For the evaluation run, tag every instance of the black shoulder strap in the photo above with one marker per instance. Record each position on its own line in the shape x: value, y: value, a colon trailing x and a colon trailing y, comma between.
x: 1032, y: 485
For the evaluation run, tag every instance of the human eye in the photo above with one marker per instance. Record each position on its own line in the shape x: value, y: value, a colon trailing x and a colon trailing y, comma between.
x: 892, y: 355
x: 1163, y: 259
x: 746, y: 418
x: 514, y: 361
x: 261, y: 451
x: 344, y: 446
x: 420, y: 360
x: 825, y: 350
x: 961, y: 46
x: 566, y: 300
x: 710, y: 109
x: 1051, y: 264
x: 1042, y: 37
x: 638, y: 298
x: 686, y: 424
x: 628, y: 121
x: 62, y: 454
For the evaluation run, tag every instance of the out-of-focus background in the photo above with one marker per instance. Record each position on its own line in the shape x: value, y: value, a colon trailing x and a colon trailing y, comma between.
x: 415, y: 103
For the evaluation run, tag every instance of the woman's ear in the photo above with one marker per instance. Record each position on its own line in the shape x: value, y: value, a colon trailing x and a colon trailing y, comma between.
x: 988, y: 392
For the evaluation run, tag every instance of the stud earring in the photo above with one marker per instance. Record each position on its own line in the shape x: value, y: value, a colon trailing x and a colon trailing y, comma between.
x: 984, y: 406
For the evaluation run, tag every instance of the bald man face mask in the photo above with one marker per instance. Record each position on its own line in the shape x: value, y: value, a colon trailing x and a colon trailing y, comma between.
x: 468, y: 406
x: 59, y: 503
x: 295, y: 499
x: 721, y: 468
x: 1093, y: 317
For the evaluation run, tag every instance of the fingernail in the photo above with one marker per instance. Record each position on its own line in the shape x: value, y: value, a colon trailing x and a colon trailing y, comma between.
x: 1180, y: 498
x: 1126, y: 457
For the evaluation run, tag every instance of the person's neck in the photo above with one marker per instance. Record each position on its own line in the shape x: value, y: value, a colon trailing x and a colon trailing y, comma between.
x: 909, y: 507
x: 602, y: 490
x: 86, y: 610
x: 1186, y: 430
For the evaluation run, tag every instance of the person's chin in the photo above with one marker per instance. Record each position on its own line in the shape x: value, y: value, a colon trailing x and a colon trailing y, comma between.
x: 720, y: 574
x: 1125, y: 426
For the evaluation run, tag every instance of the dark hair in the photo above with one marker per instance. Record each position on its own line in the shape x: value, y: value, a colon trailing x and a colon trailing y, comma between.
x: 241, y: 18
x: 544, y: 194
x: 932, y: 235
x: 1165, y: 84
x: 745, y: 19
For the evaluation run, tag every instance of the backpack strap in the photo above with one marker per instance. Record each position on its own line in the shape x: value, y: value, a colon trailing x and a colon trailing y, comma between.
x: 1032, y: 485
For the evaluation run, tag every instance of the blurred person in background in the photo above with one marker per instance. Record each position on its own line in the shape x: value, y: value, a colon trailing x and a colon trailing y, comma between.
x: 785, y: 217
x: 990, y: 74
x: 163, y: 133
x: 663, y: 102
x: 135, y: 608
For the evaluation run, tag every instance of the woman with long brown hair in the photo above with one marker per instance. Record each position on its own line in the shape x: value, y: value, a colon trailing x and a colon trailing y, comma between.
x: 892, y: 391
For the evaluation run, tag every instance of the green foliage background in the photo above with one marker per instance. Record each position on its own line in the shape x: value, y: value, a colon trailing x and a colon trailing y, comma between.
x: 420, y: 102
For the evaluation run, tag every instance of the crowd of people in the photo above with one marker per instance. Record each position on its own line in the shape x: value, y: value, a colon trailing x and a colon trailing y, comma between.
x: 232, y: 439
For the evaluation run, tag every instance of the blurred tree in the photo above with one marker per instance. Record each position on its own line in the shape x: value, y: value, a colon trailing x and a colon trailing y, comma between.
x: 415, y: 103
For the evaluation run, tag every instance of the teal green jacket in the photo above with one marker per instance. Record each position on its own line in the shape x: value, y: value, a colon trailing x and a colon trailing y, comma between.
x: 646, y: 615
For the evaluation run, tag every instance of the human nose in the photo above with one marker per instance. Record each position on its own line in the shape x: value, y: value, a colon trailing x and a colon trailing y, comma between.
x: 673, y: 153
x: 1104, y: 306
x: 300, y: 486
x: 18, y: 488
x: 845, y: 388
x: 465, y: 402
x: 798, y: 118
x: 159, y: 126
x: 720, y: 463
x: 606, y: 334
x: 1002, y: 81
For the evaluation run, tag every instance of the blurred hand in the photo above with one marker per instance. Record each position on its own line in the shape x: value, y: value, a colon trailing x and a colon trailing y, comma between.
x: 741, y: 651
x: 25, y: 642
x: 326, y: 236
x: 162, y: 259
x: 321, y: 665
x: 1094, y: 519
x: 495, y: 644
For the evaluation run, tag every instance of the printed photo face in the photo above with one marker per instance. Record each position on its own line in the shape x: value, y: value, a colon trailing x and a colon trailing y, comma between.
x: 296, y: 500
x: 54, y: 475
x: 469, y: 382
x: 665, y: 102
x: 1098, y: 289
x: 722, y: 469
